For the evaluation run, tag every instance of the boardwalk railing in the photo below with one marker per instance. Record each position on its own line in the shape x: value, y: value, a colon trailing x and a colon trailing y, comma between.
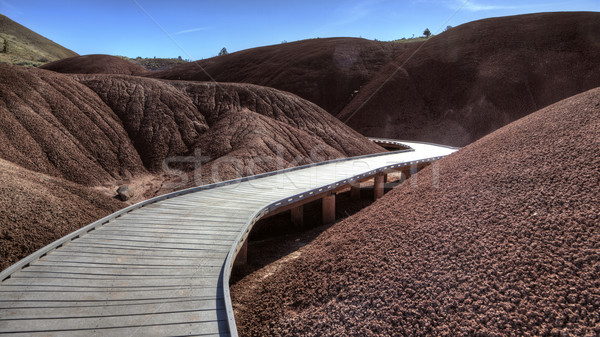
x: 162, y: 266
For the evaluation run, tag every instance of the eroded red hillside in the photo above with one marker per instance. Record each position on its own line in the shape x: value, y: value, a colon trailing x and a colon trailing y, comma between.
x: 324, y: 71
x: 243, y: 129
x: 477, y: 77
x: 52, y: 124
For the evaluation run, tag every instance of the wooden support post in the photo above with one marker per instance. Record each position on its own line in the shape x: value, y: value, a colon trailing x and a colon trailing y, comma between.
x: 298, y: 216
x: 329, y: 209
x: 385, y: 178
x: 406, y: 173
x: 242, y: 256
x: 355, y: 191
x: 378, y: 186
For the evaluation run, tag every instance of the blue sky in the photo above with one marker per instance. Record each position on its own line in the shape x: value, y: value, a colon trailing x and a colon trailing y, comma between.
x: 199, y: 29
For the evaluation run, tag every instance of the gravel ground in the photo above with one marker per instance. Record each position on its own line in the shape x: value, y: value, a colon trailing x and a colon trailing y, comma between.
x: 507, y: 244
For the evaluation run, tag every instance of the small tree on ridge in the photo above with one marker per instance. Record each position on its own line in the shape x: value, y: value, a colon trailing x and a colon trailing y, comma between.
x: 223, y: 52
x: 427, y: 32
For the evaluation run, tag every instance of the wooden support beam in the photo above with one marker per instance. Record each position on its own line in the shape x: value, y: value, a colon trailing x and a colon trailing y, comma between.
x: 385, y: 178
x: 242, y: 256
x: 355, y: 191
x: 378, y: 186
x: 406, y: 173
x: 329, y: 209
x: 298, y: 216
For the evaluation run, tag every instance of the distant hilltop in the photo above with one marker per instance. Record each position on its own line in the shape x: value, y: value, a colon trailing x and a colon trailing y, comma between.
x: 22, y: 46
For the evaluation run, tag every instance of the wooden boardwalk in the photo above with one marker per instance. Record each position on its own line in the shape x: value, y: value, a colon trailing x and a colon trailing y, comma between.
x: 161, y: 267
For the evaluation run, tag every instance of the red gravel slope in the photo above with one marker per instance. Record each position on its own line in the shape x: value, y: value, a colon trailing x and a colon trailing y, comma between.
x: 475, y: 78
x: 508, y: 244
x: 95, y: 64
x: 323, y: 71
x: 36, y: 209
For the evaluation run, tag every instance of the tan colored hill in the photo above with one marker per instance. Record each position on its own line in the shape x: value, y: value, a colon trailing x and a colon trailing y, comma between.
x: 95, y: 64
x: 22, y: 46
x: 506, y: 244
x: 327, y: 72
x: 477, y: 77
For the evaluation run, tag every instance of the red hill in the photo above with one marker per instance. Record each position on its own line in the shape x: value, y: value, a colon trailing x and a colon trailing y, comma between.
x: 324, y: 71
x: 95, y: 64
x: 475, y: 78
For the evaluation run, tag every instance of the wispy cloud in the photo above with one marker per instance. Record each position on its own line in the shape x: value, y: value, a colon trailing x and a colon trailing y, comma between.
x: 197, y: 29
x: 473, y: 6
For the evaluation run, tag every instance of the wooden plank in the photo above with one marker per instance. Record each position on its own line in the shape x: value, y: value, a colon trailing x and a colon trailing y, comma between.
x: 166, y: 230
x: 86, y: 250
x: 155, y: 248
x: 215, y: 240
x: 216, y: 227
x: 197, y: 222
x: 227, y: 212
x: 148, y: 307
x: 67, y: 276
x: 163, y: 243
x: 111, y: 304
x: 108, y: 295
x: 151, y: 233
x: 139, y: 259
x: 130, y: 261
x: 150, y: 325
x: 120, y: 272
x: 112, y: 283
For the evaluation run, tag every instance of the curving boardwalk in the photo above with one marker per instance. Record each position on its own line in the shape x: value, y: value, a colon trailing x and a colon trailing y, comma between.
x: 162, y: 267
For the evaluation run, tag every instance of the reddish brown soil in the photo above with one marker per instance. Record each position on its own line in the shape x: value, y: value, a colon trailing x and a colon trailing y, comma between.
x: 95, y: 64
x: 36, y: 209
x: 507, y: 244
x: 323, y: 71
x: 475, y: 78
x: 52, y: 124
x: 232, y: 124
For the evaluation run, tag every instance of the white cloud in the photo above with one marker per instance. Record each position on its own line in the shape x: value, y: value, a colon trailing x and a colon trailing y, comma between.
x: 198, y: 29
x: 473, y: 6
